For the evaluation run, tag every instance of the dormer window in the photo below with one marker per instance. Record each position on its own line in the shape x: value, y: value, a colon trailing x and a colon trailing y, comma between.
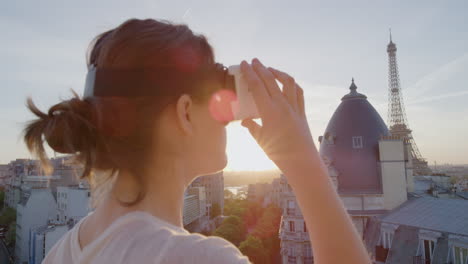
x: 427, y: 250
x: 328, y: 138
x: 357, y: 142
x: 427, y: 243
x: 460, y: 255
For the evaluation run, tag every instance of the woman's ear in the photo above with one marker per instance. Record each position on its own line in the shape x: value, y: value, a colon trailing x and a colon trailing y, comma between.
x: 184, y: 114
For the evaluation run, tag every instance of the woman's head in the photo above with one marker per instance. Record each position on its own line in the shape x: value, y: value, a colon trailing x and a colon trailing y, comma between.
x: 131, y: 133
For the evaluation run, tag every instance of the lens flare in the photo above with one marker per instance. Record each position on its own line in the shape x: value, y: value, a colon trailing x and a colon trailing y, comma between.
x: 220, y: 105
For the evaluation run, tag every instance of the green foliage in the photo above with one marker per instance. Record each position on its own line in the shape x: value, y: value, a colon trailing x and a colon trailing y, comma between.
x: 215, y: 210
x: 231, y: 230
x: 262, y: 244
x: 2, y: 199
x: 267, y: 230
x: 454, y: 180
x: 233, y: 220
x: 11, y: 234
x: 8, y: 216
x: 228, y: 194
x: 252, y: 214
x: 254, y: 249
x: 235, y: 207
x: 269, y: 222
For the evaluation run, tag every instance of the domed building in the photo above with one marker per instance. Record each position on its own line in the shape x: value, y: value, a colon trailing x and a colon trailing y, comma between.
x: 350, y: 145
x: 369, y: 168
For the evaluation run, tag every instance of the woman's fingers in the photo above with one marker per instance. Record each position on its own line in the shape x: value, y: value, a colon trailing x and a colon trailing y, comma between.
x: 300, y: 100
x: 289, y: 87
x: 253, y: 127
x: 257, y: 88
x: 268, y: 78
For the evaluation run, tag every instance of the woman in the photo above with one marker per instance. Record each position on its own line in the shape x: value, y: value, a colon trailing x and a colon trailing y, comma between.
x: 142, y: 145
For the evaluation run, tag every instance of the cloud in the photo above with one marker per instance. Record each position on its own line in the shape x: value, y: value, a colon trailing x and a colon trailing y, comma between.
x: 186, y: 14
x: 437, y: 97
x: 451, y: 73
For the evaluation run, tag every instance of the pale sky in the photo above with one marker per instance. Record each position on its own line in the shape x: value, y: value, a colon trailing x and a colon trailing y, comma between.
x: 323, y: 44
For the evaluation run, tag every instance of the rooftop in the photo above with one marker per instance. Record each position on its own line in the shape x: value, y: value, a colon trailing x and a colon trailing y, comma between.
x: 444, y: 215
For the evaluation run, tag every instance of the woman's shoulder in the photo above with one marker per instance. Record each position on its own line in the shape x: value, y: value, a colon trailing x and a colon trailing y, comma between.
x: 188, y: 248
x: 210, y: 248
x: 173, y: 244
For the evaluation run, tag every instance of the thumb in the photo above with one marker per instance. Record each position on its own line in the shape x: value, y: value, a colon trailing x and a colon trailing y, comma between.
x: 253, y: 127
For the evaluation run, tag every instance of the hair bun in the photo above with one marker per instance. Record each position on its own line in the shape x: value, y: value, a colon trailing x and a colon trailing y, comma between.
x: 68, y: 127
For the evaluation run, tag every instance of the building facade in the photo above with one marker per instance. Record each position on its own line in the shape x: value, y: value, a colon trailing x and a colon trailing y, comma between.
x: 370, y: 169
x: 73, y: 203
x: 295, y: 243
x: 36, y: 208
x: 214, y: 188
x: 257, y: 192
x: 194, y: 211
x: 43, y: 238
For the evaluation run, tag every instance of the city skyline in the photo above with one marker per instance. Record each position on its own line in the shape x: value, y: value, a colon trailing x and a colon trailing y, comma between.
x: 326, y: 45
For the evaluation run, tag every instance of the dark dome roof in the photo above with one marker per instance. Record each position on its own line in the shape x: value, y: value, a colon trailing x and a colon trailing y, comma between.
x: 350, y: 144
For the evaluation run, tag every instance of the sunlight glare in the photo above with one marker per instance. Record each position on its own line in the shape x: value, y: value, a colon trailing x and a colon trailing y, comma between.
x: 243, y: 151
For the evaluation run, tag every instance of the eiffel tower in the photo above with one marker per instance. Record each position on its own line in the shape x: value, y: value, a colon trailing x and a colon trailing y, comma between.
x: 396, y: 112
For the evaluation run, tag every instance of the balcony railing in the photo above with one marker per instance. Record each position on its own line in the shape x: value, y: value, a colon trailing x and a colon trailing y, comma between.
x: 297, y: 236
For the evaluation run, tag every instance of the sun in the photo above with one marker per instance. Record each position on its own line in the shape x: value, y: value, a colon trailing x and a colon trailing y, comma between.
x: 243, y: 152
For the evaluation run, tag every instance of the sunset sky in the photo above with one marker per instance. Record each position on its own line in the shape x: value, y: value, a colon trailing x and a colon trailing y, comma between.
x: 323, y: 44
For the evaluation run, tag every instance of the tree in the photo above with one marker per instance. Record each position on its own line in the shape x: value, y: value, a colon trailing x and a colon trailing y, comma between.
x: 228, y: 194
x: 236, y: 221
x: 252, y: 214
x: 215, y: 210
x: 254, y: 249
x: 454, y: 180
x: 235, y: 207
x: 11, y: 234
x: 267, y: 231
x: 2, y: 199
x: 232, y: 229
x: 8, y: 216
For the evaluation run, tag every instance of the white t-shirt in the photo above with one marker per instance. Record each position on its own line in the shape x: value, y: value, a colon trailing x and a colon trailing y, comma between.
x: 139, y: 237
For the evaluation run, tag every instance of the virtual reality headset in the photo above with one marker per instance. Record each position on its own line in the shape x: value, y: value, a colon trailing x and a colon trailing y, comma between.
x: 230, y: 97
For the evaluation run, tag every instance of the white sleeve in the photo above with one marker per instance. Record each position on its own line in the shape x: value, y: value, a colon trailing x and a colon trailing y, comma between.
x: 197, y: 248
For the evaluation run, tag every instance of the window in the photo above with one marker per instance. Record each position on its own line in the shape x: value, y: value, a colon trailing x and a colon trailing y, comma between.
x: 291, y: 207
x: 460, y: 255
x: 308, y: 254
x: 357, y: 142
x: 291, y: 226
x: 428, y: 249
x: 292, y: 259
x: 305, y: 227
x: 387, y: 239
x: 291, y: 256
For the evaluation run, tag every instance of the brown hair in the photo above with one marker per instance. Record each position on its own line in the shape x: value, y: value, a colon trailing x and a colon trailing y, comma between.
x: 115, y: 133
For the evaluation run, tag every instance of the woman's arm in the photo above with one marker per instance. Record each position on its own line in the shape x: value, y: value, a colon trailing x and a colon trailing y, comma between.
x: 285, y: 137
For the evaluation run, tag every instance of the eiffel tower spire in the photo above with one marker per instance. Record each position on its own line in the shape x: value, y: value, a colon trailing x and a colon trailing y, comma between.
x: 396, y: 111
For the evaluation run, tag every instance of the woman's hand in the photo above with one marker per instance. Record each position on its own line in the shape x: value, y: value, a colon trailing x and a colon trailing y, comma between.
x: 284, y: 134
